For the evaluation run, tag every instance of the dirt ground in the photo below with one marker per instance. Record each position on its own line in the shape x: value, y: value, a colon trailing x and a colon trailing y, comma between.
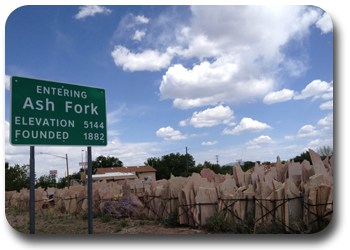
x: 50, y: 221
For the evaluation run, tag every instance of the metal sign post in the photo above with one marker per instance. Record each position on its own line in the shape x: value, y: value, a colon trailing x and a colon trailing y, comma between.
x: 89, y: 191
x: 32, y: 191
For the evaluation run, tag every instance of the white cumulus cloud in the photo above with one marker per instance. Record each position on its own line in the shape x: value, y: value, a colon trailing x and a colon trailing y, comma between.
x: 209, y: 143
x: 141, y: 19
x: 183, y: 123
x: 327, y: 121
x: 325, y: 24
x: 327, y: 105
x: 253, y: 147
x: 263, y: 139
x: 307, y: 131
x: 244, y: 44
x: 247, y: 125
x: 7, y: 82
x: 170, y: 134
x: 316, y: 89
x: 209, y: 84
x: 147, y: 60
x: 138, y: 35
x: 210, y: 117
x: 289, y: 137
x: 279, y: 96
x: 291, y: 147
x: 91, y: 10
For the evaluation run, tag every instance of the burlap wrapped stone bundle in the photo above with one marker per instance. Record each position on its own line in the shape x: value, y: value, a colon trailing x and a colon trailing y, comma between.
x: 125, y: 207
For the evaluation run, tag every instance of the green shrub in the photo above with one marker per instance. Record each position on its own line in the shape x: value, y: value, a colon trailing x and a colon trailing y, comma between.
x: 96, y: 215
x: 244, y: 226
x: 106, y: 218
x: 85, y: 216
x: 123, y: 223
x: 301, y: 227
x: 171, y: 221
x: 141, y: 216
x: 273, y: 227
x: 218, y: 223
x: 118, y: 229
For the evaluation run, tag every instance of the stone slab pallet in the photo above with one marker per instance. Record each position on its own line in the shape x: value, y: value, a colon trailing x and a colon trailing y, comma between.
x: 286, y: 192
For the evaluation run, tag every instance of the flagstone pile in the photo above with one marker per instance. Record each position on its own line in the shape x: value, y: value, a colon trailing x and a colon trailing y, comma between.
x: 286, y: 192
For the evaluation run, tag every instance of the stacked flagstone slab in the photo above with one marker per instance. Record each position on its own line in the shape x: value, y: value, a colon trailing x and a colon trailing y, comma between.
x: 174, y: 190
x: 8, y: 198
x: 284, y: 192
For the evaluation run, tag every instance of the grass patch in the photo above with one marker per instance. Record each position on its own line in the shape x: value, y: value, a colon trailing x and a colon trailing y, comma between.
x: 219, y: 223
x: 141, y: 216
x: 123, y: 223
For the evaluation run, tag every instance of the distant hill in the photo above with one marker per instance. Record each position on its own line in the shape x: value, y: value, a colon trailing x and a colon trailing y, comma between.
x: 233, y: 163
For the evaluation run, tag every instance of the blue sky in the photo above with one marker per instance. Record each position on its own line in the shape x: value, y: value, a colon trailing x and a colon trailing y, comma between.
x: 240, y: 82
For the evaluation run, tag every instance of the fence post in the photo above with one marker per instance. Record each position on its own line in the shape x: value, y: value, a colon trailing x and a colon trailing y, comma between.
x: 200, y: 214
x: 302, y: 205
x: 289, y: 209
x: 245, y: 207
x: 254, y: 214
x: 274, y: 209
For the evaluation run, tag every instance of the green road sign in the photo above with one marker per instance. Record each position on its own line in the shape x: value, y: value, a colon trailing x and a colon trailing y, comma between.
x: 54, y: 113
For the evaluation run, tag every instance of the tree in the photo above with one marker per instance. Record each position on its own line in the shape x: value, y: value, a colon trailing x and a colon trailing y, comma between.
x: 62, y: 182
x: 75, y: 176
x: 195, y: 169
x: 215, y: 167
x: 17, y: 177
x: 105, y: 162
x: 302, y: 157
x: 46, y: 181
x: 324, y: 151
x: 171, y: 164
x: 226, y: 170
x: 247, y: 165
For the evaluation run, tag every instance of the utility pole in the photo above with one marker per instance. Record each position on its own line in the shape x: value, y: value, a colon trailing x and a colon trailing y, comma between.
x: 67, y: 170
x: 217, y: 159
x: 186, y: 160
